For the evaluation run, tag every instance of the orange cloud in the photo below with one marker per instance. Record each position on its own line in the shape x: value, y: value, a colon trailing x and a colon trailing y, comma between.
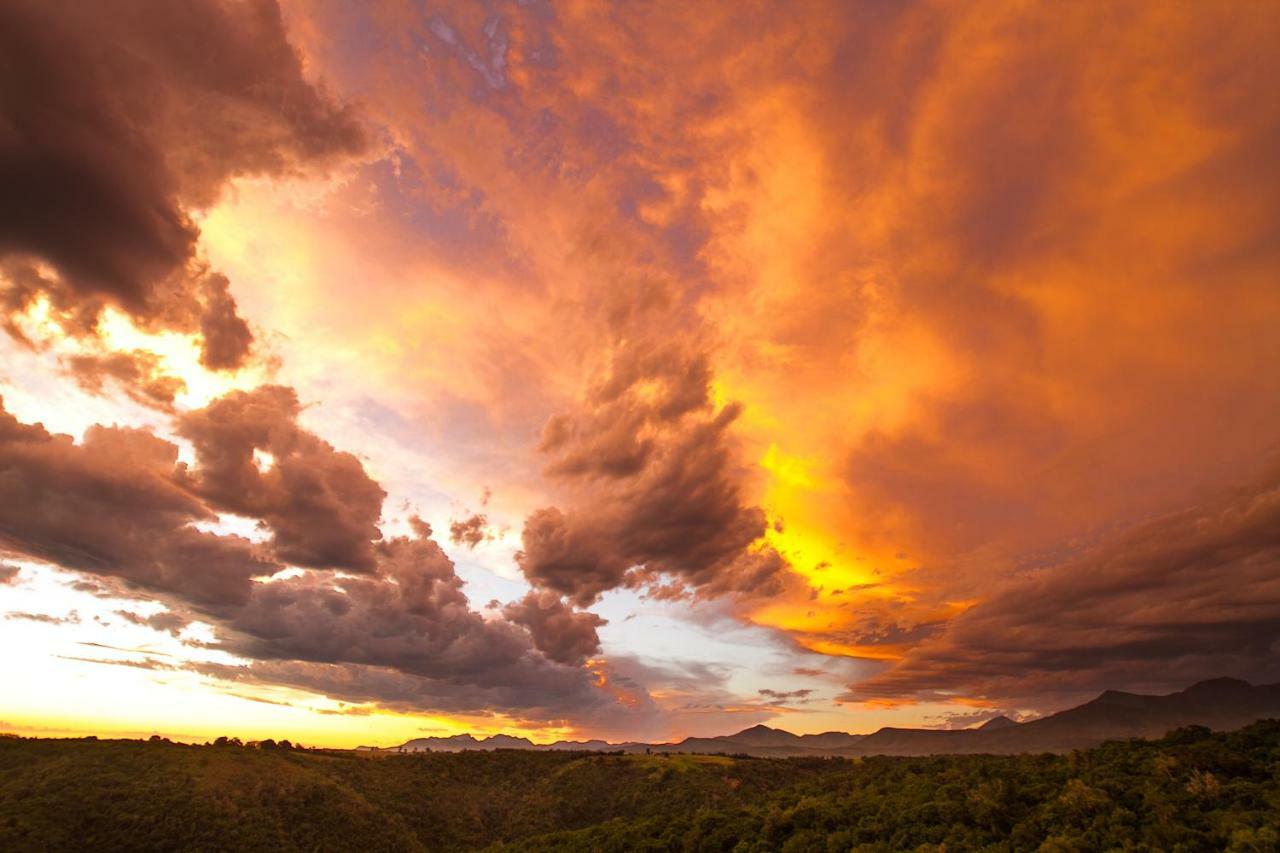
x: 860, y: 318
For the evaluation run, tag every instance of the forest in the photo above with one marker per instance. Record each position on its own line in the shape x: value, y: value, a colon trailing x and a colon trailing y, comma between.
x: 1191, y: 790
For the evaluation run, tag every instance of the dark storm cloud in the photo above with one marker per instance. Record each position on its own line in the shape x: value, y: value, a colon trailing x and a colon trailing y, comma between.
x: 560, y: 632
x: 111, y: 506
x: 413, y: 616
x: 1185, y: 596
x: 537, y: 692
x: 408, y: 638
x: 319, y: 502
x: 657, y: 490
x: 119, y: 506
x: 225, y: 335
x: 119, y: 119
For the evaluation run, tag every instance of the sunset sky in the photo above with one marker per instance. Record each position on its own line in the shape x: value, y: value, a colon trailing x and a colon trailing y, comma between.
x: 636, y: 370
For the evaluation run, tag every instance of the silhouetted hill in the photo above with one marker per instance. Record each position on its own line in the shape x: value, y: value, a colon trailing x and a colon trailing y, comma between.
x: 830, y: 740
x: 1219, y: 704
x: 764, y: 736
x: 1000, y: 722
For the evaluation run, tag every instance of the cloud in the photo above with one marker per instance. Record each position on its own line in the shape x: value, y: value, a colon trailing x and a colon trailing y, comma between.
x: 1184, y: 596
x: 684, y: 698
x: 470, y: 531
x: 117, y: 127
x: 139, y: 374
x: 320, y: 504
x: 72, y: 618
x: 111, y: 506
x: 411, y: 615
x: 406, y: 637
x: 785, y: 697
x: 168, y: 621
x: 534, y: 695
x: 560, y: 632
x: 118, y: 505
x: 656, y: 491
x: 987, y: 284
x: 147, y: 663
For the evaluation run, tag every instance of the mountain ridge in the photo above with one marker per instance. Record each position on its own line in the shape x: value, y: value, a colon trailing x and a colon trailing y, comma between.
x: 1218, y: 704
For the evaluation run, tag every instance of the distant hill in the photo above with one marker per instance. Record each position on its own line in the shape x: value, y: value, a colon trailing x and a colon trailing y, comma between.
x: 1000, y: 722
x: 1220, y: 704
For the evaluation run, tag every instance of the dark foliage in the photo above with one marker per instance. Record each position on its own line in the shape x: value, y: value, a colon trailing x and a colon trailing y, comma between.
x: 1193, y: 790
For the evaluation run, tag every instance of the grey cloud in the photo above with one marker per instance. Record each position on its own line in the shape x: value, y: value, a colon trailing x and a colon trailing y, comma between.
x: 319, y: 502
x: 1182, y: 597
x: 560, y: 632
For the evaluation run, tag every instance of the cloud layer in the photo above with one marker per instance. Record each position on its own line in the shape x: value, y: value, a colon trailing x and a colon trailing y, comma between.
x: 933, y: 339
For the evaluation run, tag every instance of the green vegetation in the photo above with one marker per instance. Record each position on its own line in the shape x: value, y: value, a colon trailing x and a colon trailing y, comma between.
x: 1190, y: 791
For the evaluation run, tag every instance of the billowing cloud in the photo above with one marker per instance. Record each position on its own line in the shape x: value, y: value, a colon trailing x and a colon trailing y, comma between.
x: 111, y: 505
x: 560, y: 632
x: 413, y: 617
x: 954, y: 264
x: 118, y: 505
x: 655, y: 489
x: 318, y: 501
x: 470, y: 531
x: 880, y: 324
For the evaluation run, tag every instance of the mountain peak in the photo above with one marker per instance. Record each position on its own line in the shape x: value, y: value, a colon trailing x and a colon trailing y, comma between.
x: 1000, y: 722
x: 762, y: 735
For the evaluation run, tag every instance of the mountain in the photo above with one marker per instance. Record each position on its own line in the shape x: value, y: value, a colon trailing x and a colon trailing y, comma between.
x: 1000, y: 722
x: 1220, y: 704
x: 830, y: 740
x: 764, y: 736
x: 463, y: 743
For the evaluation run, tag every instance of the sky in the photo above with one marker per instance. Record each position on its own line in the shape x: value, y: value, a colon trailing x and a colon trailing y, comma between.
x: 631, y: 371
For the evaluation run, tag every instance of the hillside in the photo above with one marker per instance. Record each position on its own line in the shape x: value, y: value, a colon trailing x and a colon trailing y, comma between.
x: 1193, y: 790
x: 112, y: 795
